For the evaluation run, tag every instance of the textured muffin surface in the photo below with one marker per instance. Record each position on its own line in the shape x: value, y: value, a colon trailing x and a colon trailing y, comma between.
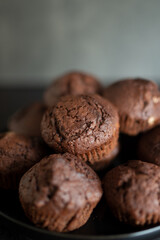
x: 27, y: 120
x: 74, y: 83
x: 60, y: 192
x: 17, y: 154
x: 138, y: 104
x: 149, y: 146
x: 104, y: 163
x: 132, y: 192
x: 80, y: 123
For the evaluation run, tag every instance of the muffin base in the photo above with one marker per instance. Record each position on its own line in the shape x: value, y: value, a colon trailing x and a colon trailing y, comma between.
x: 9, y: 181
x: 104, y: 163
x: 68, y: 220
x: 131, y: 220
x: 100, y: 153
x: 133, y: 127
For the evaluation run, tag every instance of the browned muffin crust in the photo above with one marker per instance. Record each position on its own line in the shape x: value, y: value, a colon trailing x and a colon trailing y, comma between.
x: 104, y: 163
x: 149, y: 146
x: 74, y: 83
x: 132, y: 192
x: 60, y: 192
x: 138, y: 104
x: 27, y: 120
x: 17, y: 154
x: 86, y: 126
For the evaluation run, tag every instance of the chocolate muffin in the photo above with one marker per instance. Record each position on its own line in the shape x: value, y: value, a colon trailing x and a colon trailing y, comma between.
x: 60, y: 192
x: 149, y: 146
x: 132, y: 192
x: 86, y: 126
x: 104, y: 163
x: 74, y: 83
x: 138, y: 104
x: 17, y: 154
x: 27, y: 120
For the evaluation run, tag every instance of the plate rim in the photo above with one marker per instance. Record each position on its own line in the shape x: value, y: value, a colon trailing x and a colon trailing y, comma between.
x: 77, y: 236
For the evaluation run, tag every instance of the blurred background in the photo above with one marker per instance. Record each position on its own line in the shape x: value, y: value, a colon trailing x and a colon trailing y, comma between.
x: 40, y: 39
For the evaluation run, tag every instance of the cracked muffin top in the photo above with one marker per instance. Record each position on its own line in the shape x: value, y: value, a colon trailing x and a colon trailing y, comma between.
x: 78, y: 124
x: 138, y: 103
x: 17, y: 154
x: 60, y: 187
x: 74, y: 83
x: 21, y: 150
x: 132, y: 192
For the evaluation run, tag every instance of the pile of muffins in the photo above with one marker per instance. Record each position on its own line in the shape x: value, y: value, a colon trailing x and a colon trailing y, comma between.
x: 54, y: 150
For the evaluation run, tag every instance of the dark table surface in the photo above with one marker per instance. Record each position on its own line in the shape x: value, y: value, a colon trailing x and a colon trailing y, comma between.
x: 13, y: 98
x: 10, y: 100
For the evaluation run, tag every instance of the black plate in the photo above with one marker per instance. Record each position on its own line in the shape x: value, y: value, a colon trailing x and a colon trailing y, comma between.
x: 101, y: 225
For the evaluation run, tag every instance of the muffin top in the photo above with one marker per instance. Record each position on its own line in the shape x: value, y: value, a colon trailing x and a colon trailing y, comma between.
x: 60, y: 174
x: 61, y: 185
x: 138, y: 98
x: 132, y: 192
x: 78, y: 124
x: 74, y: 83
x: 18, y: 152
x: 27, y: 120
x: 149, y: 146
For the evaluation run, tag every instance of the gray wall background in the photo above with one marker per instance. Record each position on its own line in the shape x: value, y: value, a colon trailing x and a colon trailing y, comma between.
x: 40, y: 39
